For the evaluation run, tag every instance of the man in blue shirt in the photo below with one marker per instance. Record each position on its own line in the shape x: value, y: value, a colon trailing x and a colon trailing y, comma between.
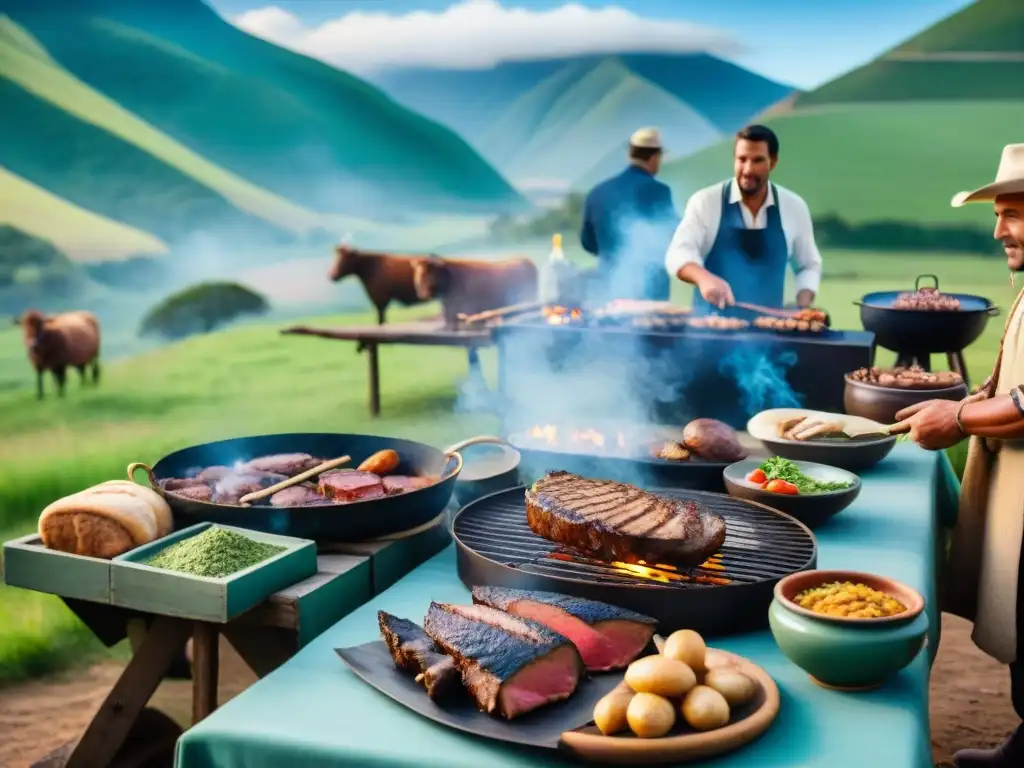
x: 628, y: 221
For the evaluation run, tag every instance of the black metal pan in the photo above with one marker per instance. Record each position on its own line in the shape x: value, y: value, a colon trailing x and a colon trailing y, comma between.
x: 925, y: 331
x: 355, y: 521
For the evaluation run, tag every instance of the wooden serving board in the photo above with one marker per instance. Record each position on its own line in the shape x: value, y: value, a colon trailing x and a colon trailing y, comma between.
x: 683, y: 744
x: 567, y: 726
x: 137, y: 586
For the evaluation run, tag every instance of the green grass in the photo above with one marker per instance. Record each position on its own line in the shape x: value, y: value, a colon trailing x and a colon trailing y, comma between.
x: 251, y: 380
x: 878, y: 162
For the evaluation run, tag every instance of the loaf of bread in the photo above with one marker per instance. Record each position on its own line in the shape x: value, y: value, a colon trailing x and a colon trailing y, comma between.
x: 105, y: 520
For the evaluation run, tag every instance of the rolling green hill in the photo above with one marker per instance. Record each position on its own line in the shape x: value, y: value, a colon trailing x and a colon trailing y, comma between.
x: 895, y: 139
x: 287, y: 123
x: 566, y: 119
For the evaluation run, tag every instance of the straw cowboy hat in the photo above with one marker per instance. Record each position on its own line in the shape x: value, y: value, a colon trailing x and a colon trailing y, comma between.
x: 647, y: 138
x: 1009, y: 179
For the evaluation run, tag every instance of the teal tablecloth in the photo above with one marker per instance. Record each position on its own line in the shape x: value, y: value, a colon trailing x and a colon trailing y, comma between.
x: 313, y: 712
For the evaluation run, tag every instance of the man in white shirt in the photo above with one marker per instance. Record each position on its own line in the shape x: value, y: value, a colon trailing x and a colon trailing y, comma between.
x: 737, y: 237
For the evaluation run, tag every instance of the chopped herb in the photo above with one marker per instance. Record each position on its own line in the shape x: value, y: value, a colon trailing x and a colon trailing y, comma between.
x: 784, y: 469
x: 214, y: 553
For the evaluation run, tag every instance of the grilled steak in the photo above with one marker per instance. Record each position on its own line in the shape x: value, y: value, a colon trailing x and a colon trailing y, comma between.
x: 289, y: 464
x: 194, y: 492
x: 606, y: 637
x: 351, y: 486
x: 510, y: 665
x: 619, y: 522
x: 415, y: 653
x: 298, y: 496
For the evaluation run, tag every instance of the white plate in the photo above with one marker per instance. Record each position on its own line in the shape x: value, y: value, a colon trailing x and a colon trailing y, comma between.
x: 763, y: 426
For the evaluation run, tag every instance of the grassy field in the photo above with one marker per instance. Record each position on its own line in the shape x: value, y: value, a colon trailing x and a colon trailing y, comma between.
x: 251, y: 380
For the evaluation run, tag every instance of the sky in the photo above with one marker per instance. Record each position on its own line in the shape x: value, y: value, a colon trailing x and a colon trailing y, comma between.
x: 800, y: 42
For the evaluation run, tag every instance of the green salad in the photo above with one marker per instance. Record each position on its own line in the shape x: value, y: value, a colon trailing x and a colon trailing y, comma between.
x: 778, y: 468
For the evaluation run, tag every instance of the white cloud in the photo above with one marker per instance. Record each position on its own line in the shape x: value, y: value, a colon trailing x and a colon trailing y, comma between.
x: 478, y: 34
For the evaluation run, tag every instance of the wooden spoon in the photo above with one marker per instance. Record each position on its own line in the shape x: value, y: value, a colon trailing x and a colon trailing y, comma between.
x: 247, y: 500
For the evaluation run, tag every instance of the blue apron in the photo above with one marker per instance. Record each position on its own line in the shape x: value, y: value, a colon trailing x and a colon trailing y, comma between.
x: 752, y: 261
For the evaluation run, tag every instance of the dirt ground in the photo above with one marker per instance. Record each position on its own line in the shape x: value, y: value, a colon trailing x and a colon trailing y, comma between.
x: 970, y: 701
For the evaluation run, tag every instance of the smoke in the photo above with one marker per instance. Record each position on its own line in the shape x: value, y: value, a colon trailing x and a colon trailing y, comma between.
x: 760, y: 379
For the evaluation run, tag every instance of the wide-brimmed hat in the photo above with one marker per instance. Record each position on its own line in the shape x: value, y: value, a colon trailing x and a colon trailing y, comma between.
x: 1009, y: 179
x: 646, y: 138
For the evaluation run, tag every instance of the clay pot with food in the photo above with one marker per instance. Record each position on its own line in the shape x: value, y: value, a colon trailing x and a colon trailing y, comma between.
x: 882, y: 403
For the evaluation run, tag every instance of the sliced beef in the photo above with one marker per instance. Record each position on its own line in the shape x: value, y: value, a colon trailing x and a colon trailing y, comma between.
x: 607, y: 637
x: 194, y: 492
x: 619, y: 522
x: 510, y: 665
x: 176, y: 483
x: 351, y: 486
x: 414, y: 652
x: 213, y: 474
x: 298, y: 496
x: 394, y: 484
x: 231, y: 488
x: 288, y: 464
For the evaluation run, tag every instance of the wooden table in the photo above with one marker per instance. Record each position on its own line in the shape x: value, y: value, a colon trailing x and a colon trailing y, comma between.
x: 427, y: 333
x: 265, y: 637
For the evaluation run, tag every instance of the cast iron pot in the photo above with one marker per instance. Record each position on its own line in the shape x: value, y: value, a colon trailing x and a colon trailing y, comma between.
x: 881, y: 404
x: 329, y: 522
x: 484, y: 476
x: 925, y: 331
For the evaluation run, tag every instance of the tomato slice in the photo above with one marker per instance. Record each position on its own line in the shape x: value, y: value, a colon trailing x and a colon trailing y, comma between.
x: 758, y: 476
x: 782, y: 486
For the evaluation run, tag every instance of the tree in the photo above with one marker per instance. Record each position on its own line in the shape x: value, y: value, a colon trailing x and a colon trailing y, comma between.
x: 200, y: 309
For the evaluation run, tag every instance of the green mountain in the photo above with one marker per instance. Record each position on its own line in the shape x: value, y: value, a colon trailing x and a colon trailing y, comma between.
x: 159, y: 115
x: 896, y: 138
x: 568, y: 119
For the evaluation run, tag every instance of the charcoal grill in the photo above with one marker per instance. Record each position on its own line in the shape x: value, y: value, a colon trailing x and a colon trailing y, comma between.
x: 729, y: 593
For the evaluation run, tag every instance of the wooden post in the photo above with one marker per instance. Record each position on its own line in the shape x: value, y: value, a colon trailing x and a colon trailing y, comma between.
x: 374, y: 360
x: 205, y: 668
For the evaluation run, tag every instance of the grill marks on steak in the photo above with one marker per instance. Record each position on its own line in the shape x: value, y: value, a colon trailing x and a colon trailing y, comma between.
x: 509, y: 664
x: 607, y: 637
x: 620, y: 522
x: 414, y: 652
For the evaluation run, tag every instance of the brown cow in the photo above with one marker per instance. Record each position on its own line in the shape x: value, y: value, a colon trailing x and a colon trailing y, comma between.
x: 70, y: 339
x: 468, y: 287
x: 386, y: 277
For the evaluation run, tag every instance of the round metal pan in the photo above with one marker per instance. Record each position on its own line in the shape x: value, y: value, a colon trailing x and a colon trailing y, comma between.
x: 925, y: 331
x: 329, y: 522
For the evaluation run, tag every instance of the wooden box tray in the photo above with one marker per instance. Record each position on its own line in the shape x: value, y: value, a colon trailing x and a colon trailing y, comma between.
x: 30, y: 565
x: 140, y: 587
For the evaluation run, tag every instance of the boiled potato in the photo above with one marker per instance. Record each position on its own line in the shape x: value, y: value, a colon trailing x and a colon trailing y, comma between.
x: 610, y: 712
x: 660, y: 675
x: 735, y: 686
x: 688, y: 647
x: 650, y: 716
x: 705, y: 708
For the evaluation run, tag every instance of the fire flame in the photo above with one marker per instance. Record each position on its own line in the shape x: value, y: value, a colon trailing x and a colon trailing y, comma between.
x: 559, y: 315
x: 593, y: 438
x: 661, y: 573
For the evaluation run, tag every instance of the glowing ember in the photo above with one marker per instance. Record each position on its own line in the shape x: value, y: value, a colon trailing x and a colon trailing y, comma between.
x: 663, y: 574
x: 587, y: 438
x: 559, y: 315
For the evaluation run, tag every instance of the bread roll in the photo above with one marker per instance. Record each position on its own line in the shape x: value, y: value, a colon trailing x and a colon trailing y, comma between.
x: 105, y: 520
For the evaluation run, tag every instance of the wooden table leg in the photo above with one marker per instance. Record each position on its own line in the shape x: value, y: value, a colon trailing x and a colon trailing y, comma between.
x: 117, y: 714
x: 374, y: 361
x: 205, y: 669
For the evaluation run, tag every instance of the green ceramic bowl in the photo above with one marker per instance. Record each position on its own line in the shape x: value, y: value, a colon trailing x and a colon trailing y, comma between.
x: 841, y: 653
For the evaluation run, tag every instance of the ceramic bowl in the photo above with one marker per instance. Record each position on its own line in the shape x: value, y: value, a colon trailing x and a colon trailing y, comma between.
x: 878, y: 403
x: 810, y: 509
x: 841, y: 653
x: 852, y: 455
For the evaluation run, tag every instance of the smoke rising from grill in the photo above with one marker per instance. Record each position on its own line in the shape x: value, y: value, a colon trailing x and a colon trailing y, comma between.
x: 760, y: 379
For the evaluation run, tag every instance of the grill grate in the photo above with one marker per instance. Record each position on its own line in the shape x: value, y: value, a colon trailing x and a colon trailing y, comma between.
x: 761, y: 545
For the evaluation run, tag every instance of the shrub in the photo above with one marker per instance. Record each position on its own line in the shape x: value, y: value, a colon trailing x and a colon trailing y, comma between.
x: 200, y: 309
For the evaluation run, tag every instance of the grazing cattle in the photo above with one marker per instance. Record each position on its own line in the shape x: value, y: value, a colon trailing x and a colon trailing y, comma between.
x: 468, y: 287
x: 386, y: 277
x: 70, y: 339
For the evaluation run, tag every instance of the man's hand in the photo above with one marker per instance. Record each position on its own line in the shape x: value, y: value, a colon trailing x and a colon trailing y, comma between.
x: 931, y: 424
x: 804, y: 298
x: 715, y: 291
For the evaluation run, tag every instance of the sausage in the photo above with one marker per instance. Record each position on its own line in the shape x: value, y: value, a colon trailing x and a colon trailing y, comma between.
x: 381, y: 463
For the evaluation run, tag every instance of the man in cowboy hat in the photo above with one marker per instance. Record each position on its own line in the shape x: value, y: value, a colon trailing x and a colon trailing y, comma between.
x: 985, y: 582
x: 628, y: 221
